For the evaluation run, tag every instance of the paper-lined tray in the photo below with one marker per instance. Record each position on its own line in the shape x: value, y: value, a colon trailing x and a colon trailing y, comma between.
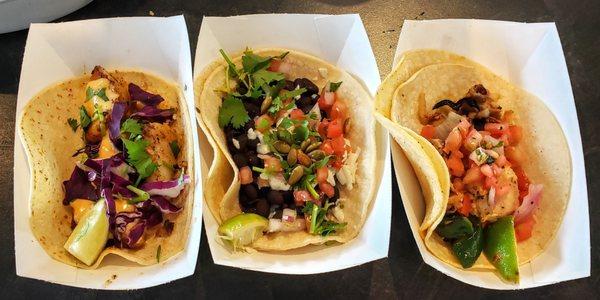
x: 56, y: 52
x: 342, y: 41
x: 529, y: 56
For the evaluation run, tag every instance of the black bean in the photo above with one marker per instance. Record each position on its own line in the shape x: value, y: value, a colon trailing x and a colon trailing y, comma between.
x: 250, y: 191
x: 263, y: 191
x: 253, y: 143
x: 275, y: 197
x: 262, y: 207
x: 310, y: 87
x: 240, y: 160
x: 288, y: 196
x: 252, y: 108
x: 243, y: 200
x: 248, y: 126
x: 243, y: 141
x: 254, y: 160
x: 278, y: 214
x: 241, y: 88
x: 289, y: 85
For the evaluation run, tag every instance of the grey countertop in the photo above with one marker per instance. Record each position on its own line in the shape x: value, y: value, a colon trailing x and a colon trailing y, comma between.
x: 403, y: 274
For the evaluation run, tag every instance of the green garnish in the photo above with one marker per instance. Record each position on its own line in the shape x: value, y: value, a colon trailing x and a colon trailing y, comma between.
x: 264, y: 77
x: 101, y: 93
x: 174, y: 148
x: 334, y: 86
x: 133, y: 127
x: 301, y: 131
x: 73, y: 123
x: 84, y: 119
x: 141, y: 195
x: 158, y: 251
x: 259, y: 170
x: 139, y: 158
x: 233, y: 112
x: 318, y: 223
x: 231, y: 67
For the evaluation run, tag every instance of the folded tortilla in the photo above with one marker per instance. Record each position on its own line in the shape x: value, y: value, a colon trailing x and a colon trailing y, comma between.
x: 421, y: 79
x: 222, y: 184
x: 49, y: 143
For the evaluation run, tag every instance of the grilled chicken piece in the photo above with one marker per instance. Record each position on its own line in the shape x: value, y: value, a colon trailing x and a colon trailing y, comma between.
x: 504, y: 205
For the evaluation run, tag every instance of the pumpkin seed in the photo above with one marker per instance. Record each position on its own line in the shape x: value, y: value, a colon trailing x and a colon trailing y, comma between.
x: 313, y: 146
x: 266, y: 104
x: 317, y: 154
x: 304, y: 144
x: 291, y: 157
x: 281, y: 146
x: 347, y: 125
x: 303, y: 158
x: 296, y: 175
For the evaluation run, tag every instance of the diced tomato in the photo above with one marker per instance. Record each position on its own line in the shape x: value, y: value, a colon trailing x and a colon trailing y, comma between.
x: 522, y: 183
x: 428, y: 131
x: 322, y: 174
x: 326, y: 100
x: 327, y: 189
x: 515, y: 134
x: 302, y: 196
x: 263, y: 123
x: 473, y: 176
x: 467, y: 205
x: 458, y: 185
x: 455, y: 164
x: 490, y: 182
x: 272, y: 164
x: 335, y: 128
x: 339, y: 145
x: 514, y: 155
x: 496, y: 129
x: 338, y: 110
x: 326, y: 147
x: 275, y: 64
x: 464, y: 127
x: 246, y: 175
x: 524, y: 229
x: 322, y: 128
x: 453, y: 141
x: 297, y: 114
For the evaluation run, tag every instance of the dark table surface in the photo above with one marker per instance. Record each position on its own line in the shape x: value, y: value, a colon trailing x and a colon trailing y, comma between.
x: 403, y: 274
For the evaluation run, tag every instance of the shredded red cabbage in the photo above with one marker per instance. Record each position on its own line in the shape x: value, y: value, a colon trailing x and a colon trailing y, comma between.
x: 78, y: 186
x: 138, y: 94
x: 169, y: 189
x: 164, y: 205
x: 114, y: 124
x: 153, y: 114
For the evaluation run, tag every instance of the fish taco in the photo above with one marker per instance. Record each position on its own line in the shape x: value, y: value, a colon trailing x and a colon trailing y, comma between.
x: 296, y: 159
x: 111, y: 161
x: 505, y: 153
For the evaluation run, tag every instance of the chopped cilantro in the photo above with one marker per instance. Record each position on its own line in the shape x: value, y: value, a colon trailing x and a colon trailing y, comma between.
x: 252, y: 62
x: 334, y: 86
x: 133, y: 127
x: 101, y: 93
x: 139, y: 158
x: 84, y: 119
x: 73, y: 123
x: 301, y: 131
x: 292, y: 94
x: 262, y: 77
x: 318, y: 223
x: 174, y: 148
x: 232, y: 69
x: 233, y: 112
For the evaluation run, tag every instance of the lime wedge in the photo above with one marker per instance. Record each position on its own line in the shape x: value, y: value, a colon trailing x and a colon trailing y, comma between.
x: 243, y: 229
x: 90, y: 235
x: 500, y: 248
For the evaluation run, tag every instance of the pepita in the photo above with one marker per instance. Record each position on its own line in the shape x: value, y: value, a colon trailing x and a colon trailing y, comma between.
x: 305, y: 144
x: 313, y: 146
x: 317, y: 154
x: 291, y: 157
x: 266, y: 104
x: 296, y: 175
x: 303, y: 158
x: 281, y: 146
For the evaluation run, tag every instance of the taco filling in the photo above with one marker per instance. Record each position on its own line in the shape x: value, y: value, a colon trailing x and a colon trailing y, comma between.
x: 287, y: 138
x: 479, y: 142
x: 129, y: 171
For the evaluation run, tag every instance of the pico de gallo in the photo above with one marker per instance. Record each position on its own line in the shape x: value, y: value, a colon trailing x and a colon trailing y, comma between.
x: 479, y: 142
x: 287, y: 137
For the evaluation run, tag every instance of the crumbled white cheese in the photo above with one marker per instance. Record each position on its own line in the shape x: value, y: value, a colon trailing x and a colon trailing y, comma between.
x: 323, y: 72
x: 262, y: 148
x: 314, y: 96
x: 330, y: 178
x: 236, y: 143
x: 252, y: 135
x: 346, y: 175
x: 278, y: 183
x: 338, y: 213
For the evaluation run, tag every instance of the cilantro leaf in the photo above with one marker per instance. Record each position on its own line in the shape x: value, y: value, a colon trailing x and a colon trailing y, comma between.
x: 318, y: 223
x: 139, y: 158
x: 101, y: 93
x: 292, y: 94
x: 233, y: 112
x: 262, y: 77
x: 132, y: 126
x: 286, y: 123
x: 174, y: 148
x: 276, y: 105
x: 232, y: 69
x: 334, y: 86
x: 252, y: 62
x: 73, y: 123
x: 84, y: 119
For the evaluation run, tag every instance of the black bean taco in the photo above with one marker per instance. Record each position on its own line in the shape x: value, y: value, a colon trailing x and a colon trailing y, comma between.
x: 297, y: 155
x: 506, y: 169
x: 111, y: 163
